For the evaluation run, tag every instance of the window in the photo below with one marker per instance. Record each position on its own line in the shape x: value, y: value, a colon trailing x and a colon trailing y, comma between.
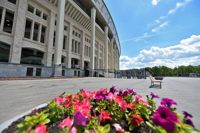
x: 45, y: 16
x: 36, y: 31
x: 38, y: 13
x: 8, y: 24
x: 29, y: 71
x: 1, y: 11
x: 65, y: 28
x: 4, y: 52
x: 64, y: 41
x: 30, y: 8
x: 54, y: 38
x: 12, y: 1
x: 38, y: 71
x: 85, y: 50
x: 75, y: 47
x: 79, y: 47
x: 27, y: 33
x: 72, y: 45
x: 43, y: 34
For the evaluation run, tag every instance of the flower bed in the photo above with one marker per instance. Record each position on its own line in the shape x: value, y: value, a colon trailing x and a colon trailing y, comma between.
x: 106, y: 111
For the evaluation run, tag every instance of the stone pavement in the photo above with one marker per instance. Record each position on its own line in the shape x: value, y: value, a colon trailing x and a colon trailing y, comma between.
x: 18, y: 96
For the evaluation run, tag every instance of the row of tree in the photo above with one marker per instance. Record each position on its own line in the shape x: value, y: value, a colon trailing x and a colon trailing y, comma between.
x: 177, y: 71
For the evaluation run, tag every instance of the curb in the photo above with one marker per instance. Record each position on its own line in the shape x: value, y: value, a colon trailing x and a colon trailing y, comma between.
x: 7, y: 123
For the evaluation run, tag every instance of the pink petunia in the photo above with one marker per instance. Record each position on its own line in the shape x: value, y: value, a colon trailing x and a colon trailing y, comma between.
x: 83, y: 107
x: 118, y: 128
x: 73, y: 130
x: 66, y: 123
x: 59, y: 100
x: 40, y: 129
x: 138, y: 99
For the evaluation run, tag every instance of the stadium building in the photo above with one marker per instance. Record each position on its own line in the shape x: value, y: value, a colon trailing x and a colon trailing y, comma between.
x: 50, y: 38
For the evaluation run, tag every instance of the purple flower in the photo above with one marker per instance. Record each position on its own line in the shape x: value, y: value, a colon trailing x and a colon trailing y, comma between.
x: 113, y: 89
x: 187, y: 114
x: 120, y: 93
x: 188, y: 121
x: 165, y: 118
x: 79, y: 119
x: 168, y: 102
x: 153, y: 95
x: 131, y: 91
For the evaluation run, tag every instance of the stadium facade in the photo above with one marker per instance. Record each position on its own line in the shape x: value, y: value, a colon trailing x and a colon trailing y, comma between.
x: 44, y: 38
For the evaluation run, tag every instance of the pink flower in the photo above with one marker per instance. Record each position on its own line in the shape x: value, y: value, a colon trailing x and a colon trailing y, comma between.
x: 83, y: 107
x: 118, y: 128
x: 110, y: 96
x: 88, y: 94
x: 165, y: 118
x: 74, y: 130
x: 59, y: 100
x: 104, y: 116
x: 138, y: 99
x: 66, y: 123
x: 40, y: 129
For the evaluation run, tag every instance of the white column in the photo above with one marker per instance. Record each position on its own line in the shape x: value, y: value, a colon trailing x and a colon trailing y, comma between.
x: 106, y: 48
x: 20, y: 20
x: 2, y: 19
x: 93, y: 18
x: 39, y: 34
x: 82, y: 49
x: 59, y: 38
x: 111, y: 50
x: 51, y: 28
x: 69, y: 47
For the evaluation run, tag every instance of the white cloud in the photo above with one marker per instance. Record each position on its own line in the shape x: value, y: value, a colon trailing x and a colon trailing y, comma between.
x: 159, y: 27
x: 187, y: 52
x: 178, y: 6
x: 138, y: 38
x: 155, y: 2
x: 157, y: 22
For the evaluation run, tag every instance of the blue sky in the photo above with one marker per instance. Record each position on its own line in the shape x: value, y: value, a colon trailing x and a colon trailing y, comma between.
x: 157, y: 32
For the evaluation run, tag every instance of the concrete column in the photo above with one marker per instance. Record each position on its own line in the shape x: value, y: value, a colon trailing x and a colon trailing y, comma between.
x: 39, y: 34
x: 69, y: 47
x: 59, y: 38
x: 114, y: 56
x: 18, y: 32
x: 112, y: 43
x: 82, y: 49
x: 2, y: 19
x: 51, y: 27
x: 106, y: 48
x: 93, y: 22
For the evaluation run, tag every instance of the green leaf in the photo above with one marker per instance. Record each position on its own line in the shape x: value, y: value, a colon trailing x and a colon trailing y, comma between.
x: 150, y: 125
x: 160, y: 130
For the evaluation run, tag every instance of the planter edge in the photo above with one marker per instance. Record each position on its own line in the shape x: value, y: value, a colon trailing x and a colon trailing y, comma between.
x: 7, y: 123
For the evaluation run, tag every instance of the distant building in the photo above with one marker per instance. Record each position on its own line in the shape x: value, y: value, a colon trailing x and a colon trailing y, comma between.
x: 132, y: 73
x: 47, y: 38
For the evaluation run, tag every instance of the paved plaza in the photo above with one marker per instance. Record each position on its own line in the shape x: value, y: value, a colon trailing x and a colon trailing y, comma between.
x: 19, y: 96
